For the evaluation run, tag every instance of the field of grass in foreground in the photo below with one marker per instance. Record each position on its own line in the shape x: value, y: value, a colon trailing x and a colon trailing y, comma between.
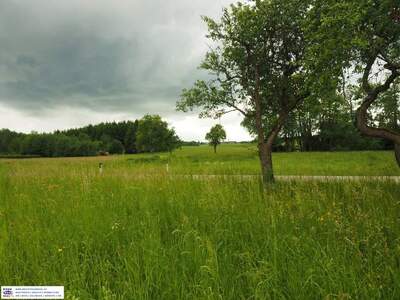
x: 118, y: 235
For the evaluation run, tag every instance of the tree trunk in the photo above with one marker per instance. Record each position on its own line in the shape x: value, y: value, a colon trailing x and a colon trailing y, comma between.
x: 397, y: 153
x: 265, y: 154
x: 215, y: 149
x: 265, y: 146
x: 264, y: 150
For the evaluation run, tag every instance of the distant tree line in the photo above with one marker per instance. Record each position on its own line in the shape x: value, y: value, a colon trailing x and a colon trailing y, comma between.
x: 191, y: 143
x: 149, y: 134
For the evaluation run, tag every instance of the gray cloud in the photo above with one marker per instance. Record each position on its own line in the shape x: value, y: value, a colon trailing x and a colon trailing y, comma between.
x: 100, y: 55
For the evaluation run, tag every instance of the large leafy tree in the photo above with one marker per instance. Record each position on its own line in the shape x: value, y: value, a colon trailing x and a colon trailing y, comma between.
x: 256, y: 68
x: 153, y: 135
x: 361, y: 37
x: 215, y: 136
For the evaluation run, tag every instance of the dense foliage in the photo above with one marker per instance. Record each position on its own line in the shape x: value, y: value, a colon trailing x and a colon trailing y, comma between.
x: 105, y: 138
x: 113, y: 137
x: 153, y: 135
x: 362, y: 39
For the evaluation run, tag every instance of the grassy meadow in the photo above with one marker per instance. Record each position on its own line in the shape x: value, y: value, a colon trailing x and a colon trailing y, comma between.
x: 136, y: 231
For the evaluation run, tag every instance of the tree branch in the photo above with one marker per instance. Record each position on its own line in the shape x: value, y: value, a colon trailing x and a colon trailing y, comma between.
x: 365, y: 79
x: 362, y: 113
x: 235, y: 107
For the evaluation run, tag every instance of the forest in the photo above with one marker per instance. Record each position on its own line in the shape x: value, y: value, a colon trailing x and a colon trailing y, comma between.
x: 149, y: 134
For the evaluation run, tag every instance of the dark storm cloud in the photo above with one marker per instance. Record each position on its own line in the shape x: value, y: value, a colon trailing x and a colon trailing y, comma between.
x: 102, y: 55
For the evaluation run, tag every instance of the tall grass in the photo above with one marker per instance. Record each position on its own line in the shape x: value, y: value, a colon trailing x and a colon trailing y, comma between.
x: 118, y: 235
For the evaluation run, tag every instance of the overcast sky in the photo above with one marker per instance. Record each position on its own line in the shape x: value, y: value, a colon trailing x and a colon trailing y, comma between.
x: 70, y: 63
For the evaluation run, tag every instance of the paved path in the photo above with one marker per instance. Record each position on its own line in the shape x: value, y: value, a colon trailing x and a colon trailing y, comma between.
x: 297, y: 178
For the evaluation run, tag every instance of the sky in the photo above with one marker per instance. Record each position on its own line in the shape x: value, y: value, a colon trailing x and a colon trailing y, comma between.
x: 71, y: 63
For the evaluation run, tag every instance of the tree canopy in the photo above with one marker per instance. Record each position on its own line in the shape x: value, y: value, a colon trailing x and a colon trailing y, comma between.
x: 361, y: 38
x: 215, y: 136
x: 153, y: 135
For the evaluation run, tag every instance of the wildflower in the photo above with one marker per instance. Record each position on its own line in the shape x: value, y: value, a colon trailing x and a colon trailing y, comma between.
x: 115, y: 226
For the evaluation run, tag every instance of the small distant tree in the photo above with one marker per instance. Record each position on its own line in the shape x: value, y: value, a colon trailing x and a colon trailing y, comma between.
x: 215, y: 136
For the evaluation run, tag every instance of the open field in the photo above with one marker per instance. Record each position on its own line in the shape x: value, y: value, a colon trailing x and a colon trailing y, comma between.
x: 238, y: 159
x: 121, y: 235
x: 243, y: 159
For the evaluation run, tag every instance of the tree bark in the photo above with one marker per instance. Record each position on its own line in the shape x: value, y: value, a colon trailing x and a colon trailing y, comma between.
x: 265, y: 154
x: 264, y: 151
